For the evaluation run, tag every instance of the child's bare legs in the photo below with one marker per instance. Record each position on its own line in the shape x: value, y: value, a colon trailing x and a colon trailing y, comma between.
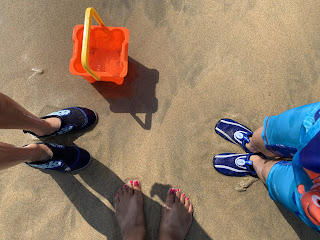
x: 256, y: 144
x: 14, y: 116
x: 11, y: 155
x: 262, y: 166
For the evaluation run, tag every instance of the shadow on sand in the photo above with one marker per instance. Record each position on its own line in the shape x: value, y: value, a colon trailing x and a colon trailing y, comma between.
x: 302, y: 230
x: 105, y: 182
x: 137, y: 94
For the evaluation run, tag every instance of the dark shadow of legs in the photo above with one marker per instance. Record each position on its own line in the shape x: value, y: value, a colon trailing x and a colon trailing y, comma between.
x: 137, y: 94
x: 303, y: 231
x: 91, y: 208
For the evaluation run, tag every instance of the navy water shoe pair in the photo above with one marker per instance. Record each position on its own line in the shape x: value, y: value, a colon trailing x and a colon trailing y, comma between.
x: 234, y: 164
x: 67, y: 158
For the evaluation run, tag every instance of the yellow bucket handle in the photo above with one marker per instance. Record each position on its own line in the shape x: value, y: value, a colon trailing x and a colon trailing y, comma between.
x: 86, y: 37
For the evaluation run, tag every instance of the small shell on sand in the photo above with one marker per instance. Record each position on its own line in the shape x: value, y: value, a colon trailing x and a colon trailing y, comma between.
x: 37, y: 70
x: 245, y: 183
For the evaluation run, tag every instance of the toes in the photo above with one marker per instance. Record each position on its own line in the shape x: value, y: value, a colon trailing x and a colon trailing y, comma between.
x: 116, y: 202
x: 125, y: 189
x: 187, y: 202
x: 178, y: 195
x: 190, y: 210
x: 170, y: 197
x: 136, y: 185
x: 120, y: 192
x: 130, y: 187
x: 183, y: 198
x: 116, y: 198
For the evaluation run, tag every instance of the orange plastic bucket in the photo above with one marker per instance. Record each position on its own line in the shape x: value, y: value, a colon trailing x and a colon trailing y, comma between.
x: 100, y: 53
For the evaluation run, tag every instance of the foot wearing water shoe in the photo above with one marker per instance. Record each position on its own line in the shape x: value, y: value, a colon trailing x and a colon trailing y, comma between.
x: 234, y: 164
x: 66, y: 120
x: 234, y: 132
x: 61, y: 158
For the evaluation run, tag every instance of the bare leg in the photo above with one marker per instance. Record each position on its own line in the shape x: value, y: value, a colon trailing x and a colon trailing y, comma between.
x: 129, y: 211
x: 11, y: 155
x: 262, y: 166
x: 176, y: 216
x: 256, y: 144
x: 14, y: 116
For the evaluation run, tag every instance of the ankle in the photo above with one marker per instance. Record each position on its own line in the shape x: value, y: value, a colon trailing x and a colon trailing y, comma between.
x: 38, y: 152
x: 47, y: 126
x: 251, y: 146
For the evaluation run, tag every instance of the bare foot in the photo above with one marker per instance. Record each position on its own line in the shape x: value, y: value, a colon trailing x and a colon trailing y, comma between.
x: 129, y: 211
x: 176, y: 216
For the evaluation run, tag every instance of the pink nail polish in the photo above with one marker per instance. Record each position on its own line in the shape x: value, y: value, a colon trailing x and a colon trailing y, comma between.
x: 172, y: 190
x: 136, y: 183
x: 125, y: 185
x: 183, y: 194
x: 178, y: 189
x: 131, y: 182
x: 187, y: 198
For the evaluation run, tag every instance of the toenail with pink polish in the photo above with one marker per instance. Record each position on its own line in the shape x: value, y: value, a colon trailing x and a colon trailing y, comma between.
x: 187, y: 198
x: 136, y: 183
x: 178, y: 189
x: 131, y: 182
x: 172, y: 190
x: 125, y: 185
x: 183, y: 194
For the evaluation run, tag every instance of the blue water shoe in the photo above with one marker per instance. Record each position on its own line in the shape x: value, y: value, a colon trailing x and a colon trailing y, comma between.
x: 234, y: 132
x: 72, y: 119
x: 234, y: 164
x: 64, y: 159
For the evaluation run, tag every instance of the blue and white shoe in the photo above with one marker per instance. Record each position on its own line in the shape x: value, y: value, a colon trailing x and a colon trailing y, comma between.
x: 234, y: 164
x: 72, y: 119
x: 64, y: 159
x: 234, y: 132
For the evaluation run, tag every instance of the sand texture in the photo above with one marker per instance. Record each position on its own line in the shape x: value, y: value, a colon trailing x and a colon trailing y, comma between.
x: 191, y: 63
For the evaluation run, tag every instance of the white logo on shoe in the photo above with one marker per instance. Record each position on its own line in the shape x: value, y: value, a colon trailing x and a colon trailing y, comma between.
x: 60, y: 113
x: 240, y: 162
x: 239, y: 135
x: 56, y: 145
x: 65, y: 129
x: 48, y: 165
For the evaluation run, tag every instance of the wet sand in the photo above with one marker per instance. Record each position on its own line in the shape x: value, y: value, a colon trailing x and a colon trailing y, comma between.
x: 191, y: 64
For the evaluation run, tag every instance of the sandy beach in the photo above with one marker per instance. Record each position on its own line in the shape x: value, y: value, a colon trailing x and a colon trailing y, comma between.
x: 192, y: 63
